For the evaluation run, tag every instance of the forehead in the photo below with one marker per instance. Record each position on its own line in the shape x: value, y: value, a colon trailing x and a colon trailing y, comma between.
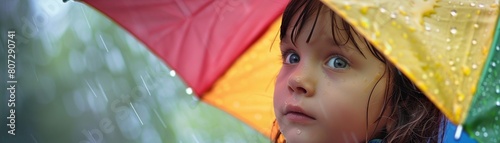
x: 321, y: 24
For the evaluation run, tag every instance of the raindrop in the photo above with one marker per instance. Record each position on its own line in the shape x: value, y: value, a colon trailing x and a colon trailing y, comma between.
x: 298, y: 132
x: 458, y: 132
x: 448, y: 48
x: 495, y: 5
x: 451, y: 63
x: 383, y: 10
x: 476, y: 25
x: 497, y: 103
x: 453, y: 13
x: 347, y: 6
x: 365, y: 23
x: 477, y: 133
x: 474, y: 41
x: 466, y: 70
x: 474, y: 66
x: 497, y: 89
x: 393, y: 15
x: 472, y: 4
x: 189, y: 91
x: 497, y: 48
x: 461, y: 3
x: 172, y: 73
x: 427, y: 28
x: 481, y: 5
x: 437, y: 30
x: 436, y: 91
x: 407, y: 18
x: 453, y: 30
x: 448, y: 39
x: 493, y: 64
x: 115, y: 61
x: 364, y: 10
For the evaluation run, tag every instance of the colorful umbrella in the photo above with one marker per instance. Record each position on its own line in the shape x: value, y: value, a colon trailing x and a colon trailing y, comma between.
x: 216, y: 46
x: 449, y: 49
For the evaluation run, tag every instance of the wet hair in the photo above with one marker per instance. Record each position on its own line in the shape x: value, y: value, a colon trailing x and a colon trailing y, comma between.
x: 413, y: 118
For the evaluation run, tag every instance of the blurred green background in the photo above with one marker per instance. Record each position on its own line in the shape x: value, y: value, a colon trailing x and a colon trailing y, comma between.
x: 81, y: 78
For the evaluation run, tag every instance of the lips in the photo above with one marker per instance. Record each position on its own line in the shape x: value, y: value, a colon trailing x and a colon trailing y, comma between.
x: 297, y: 114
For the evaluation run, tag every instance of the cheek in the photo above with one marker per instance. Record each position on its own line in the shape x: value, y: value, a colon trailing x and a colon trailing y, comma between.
x: 280, y: 89
x: 345, y: 103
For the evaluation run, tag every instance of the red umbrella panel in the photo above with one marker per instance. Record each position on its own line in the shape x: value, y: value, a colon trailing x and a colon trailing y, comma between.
x: 199, y: 39
x: 220, y: 48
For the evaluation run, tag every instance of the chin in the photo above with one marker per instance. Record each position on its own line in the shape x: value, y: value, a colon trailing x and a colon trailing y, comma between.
x: 293, y: 136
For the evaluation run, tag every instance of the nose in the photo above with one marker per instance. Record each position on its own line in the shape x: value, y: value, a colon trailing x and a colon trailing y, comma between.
x: 301, y: 81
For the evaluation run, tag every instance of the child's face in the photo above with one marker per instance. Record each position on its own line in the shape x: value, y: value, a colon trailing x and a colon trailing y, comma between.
x: 323, y: 90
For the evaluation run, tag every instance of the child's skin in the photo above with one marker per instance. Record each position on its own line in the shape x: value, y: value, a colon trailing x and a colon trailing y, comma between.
x: 331, y: 84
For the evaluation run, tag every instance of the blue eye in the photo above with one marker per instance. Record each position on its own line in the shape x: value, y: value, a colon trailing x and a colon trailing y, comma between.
x: 291, y: 58
x: 338, y: 62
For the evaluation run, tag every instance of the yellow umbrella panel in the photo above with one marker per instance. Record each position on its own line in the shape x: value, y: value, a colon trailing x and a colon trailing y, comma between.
x: 440, y: 45
x: 246, y: 89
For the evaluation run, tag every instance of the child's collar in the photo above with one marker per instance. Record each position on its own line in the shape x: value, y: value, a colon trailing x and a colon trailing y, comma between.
x: 375, y: 141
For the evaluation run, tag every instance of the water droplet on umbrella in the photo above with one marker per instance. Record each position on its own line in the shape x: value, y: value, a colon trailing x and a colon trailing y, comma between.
x: 494, y: 5
x: 497, y: 103
x: 474, y: 66
x: 298, y: 132
x: 448, y: 48
x: 448, y: 39
x: 427, y: 28
x: 485, y: 134
x: 461, y: 3
x: 477, y: 133
x: 393, y: 15
x: 497, y: 48
x: 172, y: 73
x: 458, y: 132
x: 453, y: 30
x: 383, y: 10
x: 493, y: 64
x: 453, y: 13
x: 481, y: 5
x: 476, y: 25
x: 189, y: 90
x: 364, y: 10
x: 365, y: 23
x: 466, y: 70
x: 347, y: 6
x: 407, y: 18
x: 472, y: 4
x: 436, y: 91
x: 451, y: 62
x: 461, y: 96
x: 474, y: 41
x: 497, y: 90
